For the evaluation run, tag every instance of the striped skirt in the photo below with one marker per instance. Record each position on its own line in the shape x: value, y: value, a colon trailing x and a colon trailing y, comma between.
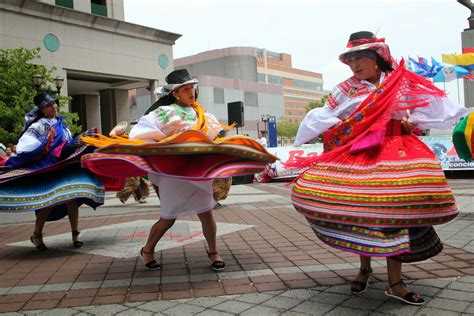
x: 52, y: 189
x: 379, y: 202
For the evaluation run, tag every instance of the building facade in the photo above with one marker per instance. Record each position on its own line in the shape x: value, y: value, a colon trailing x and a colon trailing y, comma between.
x: 300, y: 87
x: 266, y: 87
x: 101, y: 57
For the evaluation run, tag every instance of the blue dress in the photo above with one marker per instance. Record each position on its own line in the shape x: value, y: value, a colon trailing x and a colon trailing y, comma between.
x: 47, y: 173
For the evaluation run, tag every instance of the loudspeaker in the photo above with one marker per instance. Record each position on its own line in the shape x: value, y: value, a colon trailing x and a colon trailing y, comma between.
x: 235, y: 113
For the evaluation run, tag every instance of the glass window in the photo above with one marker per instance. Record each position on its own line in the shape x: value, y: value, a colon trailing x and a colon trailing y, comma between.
x: 273, y: 55
x: 275, y: 80
x: 307, y: 85
x: 261, y: 77
x: 65, y: 3
x: 250, y: 98
x: 219, y: 95
x: 99, y: 7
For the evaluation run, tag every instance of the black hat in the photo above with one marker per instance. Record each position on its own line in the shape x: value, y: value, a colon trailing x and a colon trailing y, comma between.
x: 174, y: 80
x: 179, y: 78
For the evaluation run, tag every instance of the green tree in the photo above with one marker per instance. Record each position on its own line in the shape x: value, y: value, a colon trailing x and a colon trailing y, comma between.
x: 287, y: 130
x: 17, y: 92
x: 316, y: 104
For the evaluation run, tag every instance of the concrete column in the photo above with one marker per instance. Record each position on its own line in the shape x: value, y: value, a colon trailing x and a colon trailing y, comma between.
x: 93, y: 111
x: 122, y: 105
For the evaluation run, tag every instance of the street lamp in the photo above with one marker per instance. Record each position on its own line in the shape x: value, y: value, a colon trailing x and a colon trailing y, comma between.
x: 59, y: 84
x: 265, y: 120
x: 37, y: 81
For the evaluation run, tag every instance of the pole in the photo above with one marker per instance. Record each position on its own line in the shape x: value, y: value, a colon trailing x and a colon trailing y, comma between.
x: 237, y: 130
x: 459, y: 98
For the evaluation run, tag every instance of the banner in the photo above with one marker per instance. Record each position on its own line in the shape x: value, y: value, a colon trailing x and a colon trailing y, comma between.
x: 441, y: 145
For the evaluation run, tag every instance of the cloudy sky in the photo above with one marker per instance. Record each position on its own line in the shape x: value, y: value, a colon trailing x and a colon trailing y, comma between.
x: 314, y: 32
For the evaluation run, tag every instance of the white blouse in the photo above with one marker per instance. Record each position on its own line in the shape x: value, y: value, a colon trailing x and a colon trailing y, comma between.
x: 35, y: 134
x: 164, y: 120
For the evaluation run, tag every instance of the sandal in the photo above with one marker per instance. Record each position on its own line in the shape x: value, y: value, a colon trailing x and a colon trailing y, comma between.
x: 76, y: 243
x: 411, y: 298
x: 41, y: 246
x: 152, y: 264
x: 359, y: 287
x: 217, y: 265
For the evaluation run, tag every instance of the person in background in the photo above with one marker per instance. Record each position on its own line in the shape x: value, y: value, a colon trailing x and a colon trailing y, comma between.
x: 377, y: 189
x: 262, y: 140
x: 136, y: 186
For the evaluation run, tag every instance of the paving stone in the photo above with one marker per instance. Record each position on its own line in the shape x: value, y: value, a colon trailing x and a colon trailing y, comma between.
x: 462, y: 286
x: 282, y: 302
x: 255, y: 298
x: 157, y: 306
x: 206, y: 301
x: 446, y: 304
x: 330, y: 298
x: 397, y: 308
x: 260, y: 310
x: 302, y: 294
x: 135, y: 311
x: 57, y: 312
x: 233, y: 307
x: 312, y: 308
x: 183, y: 309
x: 456, y: 295
x: 435, y: 312
x: 343, y: 311
x: 211, y: 312
x: 440, y: 283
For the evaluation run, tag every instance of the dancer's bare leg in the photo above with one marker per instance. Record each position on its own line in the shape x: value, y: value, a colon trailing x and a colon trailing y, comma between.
x: 157, y: 231
x: 209, y: 229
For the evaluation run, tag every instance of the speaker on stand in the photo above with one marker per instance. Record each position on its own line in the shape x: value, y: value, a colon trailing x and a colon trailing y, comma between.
x: 235, y: 114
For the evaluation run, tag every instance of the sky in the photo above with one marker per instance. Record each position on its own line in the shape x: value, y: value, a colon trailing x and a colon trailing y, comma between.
x: 314, y: 32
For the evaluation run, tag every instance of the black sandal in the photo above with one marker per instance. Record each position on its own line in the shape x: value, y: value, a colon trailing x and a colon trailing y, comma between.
x: 76, y: 244
x: 41, y: 246
x: 217, y: 265
x: 359, y: 287
x: 152, y: 264
x: 410, y: 298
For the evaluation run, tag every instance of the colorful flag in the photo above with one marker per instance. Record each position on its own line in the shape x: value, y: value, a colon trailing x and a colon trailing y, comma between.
x: 458, y: 59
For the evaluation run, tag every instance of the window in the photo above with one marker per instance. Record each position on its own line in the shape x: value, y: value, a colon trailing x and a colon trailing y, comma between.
x: 307, y: 85
x: 261, y: 78
x: 275, y: 80
x: 273, y: 55
x: 65, y: 3
x: 219, y: 95
x: 250, y: 98
x: 99, y: 7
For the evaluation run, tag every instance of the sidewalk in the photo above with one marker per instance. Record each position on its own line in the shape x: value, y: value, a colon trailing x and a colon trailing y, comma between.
x: 274, y: 264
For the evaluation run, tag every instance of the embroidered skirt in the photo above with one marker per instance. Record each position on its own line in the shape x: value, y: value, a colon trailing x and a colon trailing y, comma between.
x: 378, y: 202
x: 52, y: 189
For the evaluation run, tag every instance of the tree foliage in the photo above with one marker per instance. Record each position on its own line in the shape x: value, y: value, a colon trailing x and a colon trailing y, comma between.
x: 287, y: 130
x: 17, y: 92
x: 316, y: 104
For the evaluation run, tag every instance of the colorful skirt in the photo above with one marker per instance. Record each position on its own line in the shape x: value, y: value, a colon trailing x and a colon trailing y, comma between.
x: 378, y: 202
x: 53, y: 189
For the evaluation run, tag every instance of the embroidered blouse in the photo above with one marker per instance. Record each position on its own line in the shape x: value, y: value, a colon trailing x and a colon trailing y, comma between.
x: 163, y: 117
x: 442, y: 113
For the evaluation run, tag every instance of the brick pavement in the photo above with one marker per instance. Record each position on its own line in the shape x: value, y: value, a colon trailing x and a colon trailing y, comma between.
x: 274, y: 264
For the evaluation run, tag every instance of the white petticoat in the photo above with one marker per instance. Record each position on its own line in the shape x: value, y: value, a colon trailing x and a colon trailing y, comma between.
x: 183, y: 197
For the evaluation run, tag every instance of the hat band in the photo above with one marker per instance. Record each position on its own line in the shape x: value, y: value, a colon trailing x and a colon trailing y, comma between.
x: 362, y: 41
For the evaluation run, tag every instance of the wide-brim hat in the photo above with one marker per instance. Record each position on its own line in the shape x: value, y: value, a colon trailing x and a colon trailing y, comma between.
x: 179, y: 78
x: 175, y: 80
x: 365, y: 40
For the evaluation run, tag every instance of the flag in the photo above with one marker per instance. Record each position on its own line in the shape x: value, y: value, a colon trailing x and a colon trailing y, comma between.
x: 458, y: 59
x: 449, y: 74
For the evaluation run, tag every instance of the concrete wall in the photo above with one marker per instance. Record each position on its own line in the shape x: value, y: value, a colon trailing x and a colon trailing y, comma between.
x: 233, y: 67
